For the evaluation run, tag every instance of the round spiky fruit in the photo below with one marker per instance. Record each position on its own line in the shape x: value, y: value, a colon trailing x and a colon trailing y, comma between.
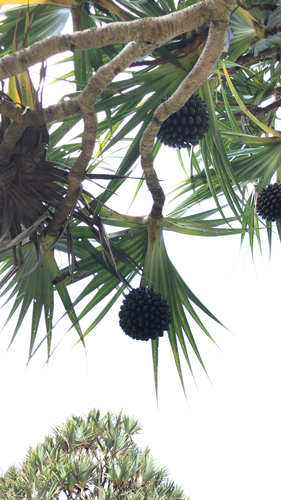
x: 187, y: 126
x: 144, y: 314
x: 269, y: 202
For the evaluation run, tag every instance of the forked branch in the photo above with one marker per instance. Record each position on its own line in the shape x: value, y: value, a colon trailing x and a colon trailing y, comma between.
x: 202, y: 69
x: 149, y: 30
x: 86, y: 102
x: 144, y: 35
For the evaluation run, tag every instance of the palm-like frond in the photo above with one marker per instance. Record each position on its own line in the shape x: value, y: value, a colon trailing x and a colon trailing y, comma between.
x: 237, y: 158
x: 47, y: 20
x: 77, y: 455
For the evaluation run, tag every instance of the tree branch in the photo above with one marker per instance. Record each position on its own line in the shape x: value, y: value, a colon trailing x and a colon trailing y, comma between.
x: 86, y: 100
x: 249, y: 58
x: 77, y: 172
x: 11, y: 137
x: 200, y: 72
x: 272, y: 31
x: 152, y: 31
x: 88, y: 96
x: 149, y: 30
x: 161, y: 30
x: 27, y: 118
x: 258, y: 111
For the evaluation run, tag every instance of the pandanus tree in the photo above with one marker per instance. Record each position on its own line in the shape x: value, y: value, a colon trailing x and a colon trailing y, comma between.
x: 90, y: 458
x: 200, y: 77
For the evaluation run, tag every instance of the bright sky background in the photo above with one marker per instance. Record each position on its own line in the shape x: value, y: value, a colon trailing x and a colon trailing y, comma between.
x: 221, y: 443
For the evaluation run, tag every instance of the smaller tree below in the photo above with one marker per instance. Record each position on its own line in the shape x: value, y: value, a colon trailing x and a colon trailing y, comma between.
x: 92, y: 458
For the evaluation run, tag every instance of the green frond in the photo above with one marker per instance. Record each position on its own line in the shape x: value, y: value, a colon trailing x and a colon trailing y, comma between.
x: 72, y: 458
x: 32, y: 286
x: 214, y: 194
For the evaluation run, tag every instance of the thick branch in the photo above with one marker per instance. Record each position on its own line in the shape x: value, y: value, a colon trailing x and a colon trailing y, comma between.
x: 106, y: 73
x: 202, y: 69
x: 220, y: 9
x: 150, y: 30
x: 88, y: 96
x: 249, y: 58
x: 23, y: 119
x: 9, y: 141
x: 153, y: 32
x: 77, y: 172
x: 86, y: 101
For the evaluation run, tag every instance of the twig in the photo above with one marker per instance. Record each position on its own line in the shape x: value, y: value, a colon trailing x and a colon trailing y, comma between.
x: 190, y: 47
x: 263, y: 111
x: 249, y: 58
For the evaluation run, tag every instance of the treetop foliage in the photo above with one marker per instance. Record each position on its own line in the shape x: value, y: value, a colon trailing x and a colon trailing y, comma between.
x: 90, y: 458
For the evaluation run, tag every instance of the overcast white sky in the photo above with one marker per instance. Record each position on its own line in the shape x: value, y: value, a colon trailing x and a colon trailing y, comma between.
x: 223, y: 442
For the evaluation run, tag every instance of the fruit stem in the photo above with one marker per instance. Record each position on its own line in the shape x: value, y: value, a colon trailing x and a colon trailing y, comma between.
x: 278, y: 175
x: 151, y: 265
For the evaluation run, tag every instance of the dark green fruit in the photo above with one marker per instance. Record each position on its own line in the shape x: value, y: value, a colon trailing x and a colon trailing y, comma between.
x: 187, y: 126
x: 269, y: 202
x: 144, y: 314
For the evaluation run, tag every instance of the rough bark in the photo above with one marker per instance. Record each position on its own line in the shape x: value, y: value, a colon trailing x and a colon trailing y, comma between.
x: 154, y: 31
x: 203, y: 68
x: 141, y: 37
x: 86, y: 101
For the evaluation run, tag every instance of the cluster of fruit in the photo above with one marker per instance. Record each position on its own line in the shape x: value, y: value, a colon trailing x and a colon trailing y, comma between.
x: 144, y: 314
x: 187, y: 126
x: 269, y: 202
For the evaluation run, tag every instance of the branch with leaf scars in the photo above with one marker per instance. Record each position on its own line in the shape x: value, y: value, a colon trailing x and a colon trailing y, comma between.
x: 249, y: 58
x: 88, y: 96
x: 160, y: 29
x: 272, y: 31
x: 27, y: 118
x: 77, y: 171
x: 9, y: 141
x: 150, y: 30
x: 200, y: 72
x: 259, y: 112
x: 86, y: 100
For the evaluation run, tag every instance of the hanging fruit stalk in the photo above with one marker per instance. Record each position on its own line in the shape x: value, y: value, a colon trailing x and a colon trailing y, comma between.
x: 145, y: 314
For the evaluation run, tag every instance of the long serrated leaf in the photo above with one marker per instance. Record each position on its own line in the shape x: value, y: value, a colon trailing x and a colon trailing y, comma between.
x: 261, y: 125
